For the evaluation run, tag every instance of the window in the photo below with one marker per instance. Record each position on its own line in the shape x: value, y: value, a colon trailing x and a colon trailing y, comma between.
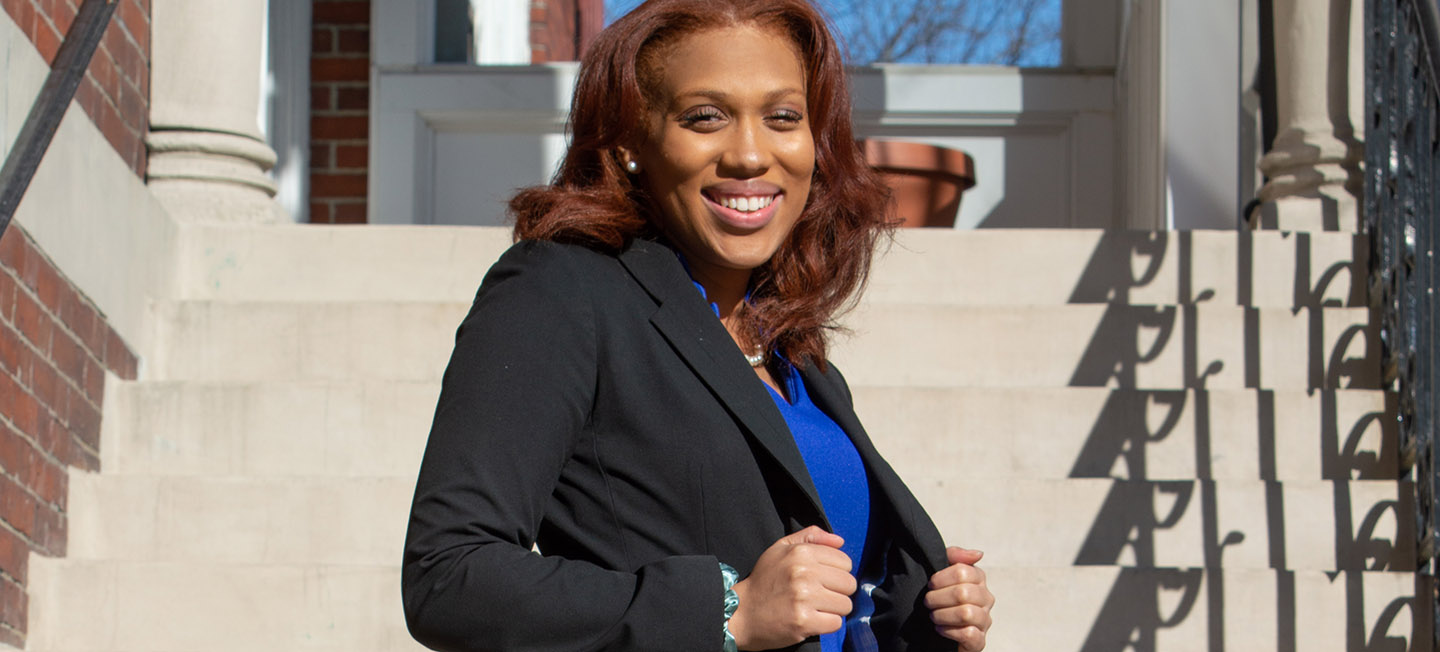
x: 485, y: 32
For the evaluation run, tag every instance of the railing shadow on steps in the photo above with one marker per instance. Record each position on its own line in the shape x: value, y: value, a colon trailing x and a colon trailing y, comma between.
x: 1146, y: 597
x: 1402, y: 178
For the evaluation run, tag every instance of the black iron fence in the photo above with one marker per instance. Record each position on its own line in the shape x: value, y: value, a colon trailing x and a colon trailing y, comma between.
x: 1402, y: 161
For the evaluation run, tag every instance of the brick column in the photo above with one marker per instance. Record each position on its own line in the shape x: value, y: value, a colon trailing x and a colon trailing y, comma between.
x: 340, y: 111
x: 560, y: 30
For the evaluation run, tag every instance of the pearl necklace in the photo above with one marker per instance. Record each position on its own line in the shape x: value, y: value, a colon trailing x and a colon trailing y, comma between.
x: 757, y: 358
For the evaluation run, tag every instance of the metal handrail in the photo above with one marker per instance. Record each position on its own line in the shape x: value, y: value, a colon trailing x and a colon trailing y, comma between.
x: 71, y: 60
x: 1402, y: 196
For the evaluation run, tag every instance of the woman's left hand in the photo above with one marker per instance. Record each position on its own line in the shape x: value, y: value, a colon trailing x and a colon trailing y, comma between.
x: 959, y: 601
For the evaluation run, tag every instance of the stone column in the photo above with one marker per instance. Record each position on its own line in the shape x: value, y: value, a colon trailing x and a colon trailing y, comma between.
x: 208, y: 159
x: 1313, y: 168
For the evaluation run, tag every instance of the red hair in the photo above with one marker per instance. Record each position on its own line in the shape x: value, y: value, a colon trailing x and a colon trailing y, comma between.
x: 820, y: 268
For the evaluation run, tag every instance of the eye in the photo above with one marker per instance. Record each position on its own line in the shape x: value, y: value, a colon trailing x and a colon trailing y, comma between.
x: 785, y: 117
x: 702, y: 118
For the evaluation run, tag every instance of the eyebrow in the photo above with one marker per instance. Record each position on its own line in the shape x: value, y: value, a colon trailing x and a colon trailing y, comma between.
x: 720, y: 96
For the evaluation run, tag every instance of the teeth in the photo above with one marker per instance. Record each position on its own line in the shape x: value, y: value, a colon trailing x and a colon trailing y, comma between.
x: 746, y: 204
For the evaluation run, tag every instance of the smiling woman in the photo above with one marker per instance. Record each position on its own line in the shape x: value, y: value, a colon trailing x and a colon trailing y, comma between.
x: 727, y: 155
x: 641, y: 389
x: 619, y: 107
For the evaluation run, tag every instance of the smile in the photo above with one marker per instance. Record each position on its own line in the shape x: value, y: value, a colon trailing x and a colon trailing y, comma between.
x: 745, y: 204
x: 746, y: 212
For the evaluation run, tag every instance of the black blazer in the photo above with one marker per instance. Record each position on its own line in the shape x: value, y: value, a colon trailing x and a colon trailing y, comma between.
x: 595, y: 405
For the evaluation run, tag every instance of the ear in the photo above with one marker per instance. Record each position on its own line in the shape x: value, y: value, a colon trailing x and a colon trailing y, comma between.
x: 627, y: 160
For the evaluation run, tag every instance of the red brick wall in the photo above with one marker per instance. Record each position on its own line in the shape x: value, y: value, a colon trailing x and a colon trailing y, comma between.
x: 553, y: 28
x: 340, y: 111
x: 116, y: 90
x: 54, y: 350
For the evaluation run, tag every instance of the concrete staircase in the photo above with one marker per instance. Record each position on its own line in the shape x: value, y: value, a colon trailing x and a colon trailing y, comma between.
x: 1164, y: 442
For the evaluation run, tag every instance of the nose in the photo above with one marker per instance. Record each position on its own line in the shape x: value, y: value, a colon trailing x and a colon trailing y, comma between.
x: 748, y: 152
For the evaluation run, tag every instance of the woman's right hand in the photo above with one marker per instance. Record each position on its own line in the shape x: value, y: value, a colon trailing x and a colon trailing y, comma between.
x: 800, y: 587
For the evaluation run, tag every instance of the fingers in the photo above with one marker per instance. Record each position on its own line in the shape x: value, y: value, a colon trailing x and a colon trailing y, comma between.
x: 821, y: 546
x: 966, y: 623
x: 837, y: 580
x: 829, y: 601
x: 958, y: 595
x: 971, y: 639
x: 821, y: 566
x: 958, y: 618
x: 830, y: 558
x: 957, y: 574
x: 958, y: 555
x: 816, y: 535
x: 800, y: 587
x: 959, y: 600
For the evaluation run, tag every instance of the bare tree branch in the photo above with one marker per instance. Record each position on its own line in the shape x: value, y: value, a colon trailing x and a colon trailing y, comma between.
x: 1010, y: 32
x: 1007, y: 32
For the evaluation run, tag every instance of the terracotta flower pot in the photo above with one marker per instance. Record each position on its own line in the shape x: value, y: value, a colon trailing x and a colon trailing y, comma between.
x: 927, y: 180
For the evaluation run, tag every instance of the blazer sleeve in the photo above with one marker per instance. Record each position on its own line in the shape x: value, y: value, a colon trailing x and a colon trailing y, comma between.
x: 517, y: 392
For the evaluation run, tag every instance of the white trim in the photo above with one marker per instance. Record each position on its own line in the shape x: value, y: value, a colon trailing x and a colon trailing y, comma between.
x: 502, y: 31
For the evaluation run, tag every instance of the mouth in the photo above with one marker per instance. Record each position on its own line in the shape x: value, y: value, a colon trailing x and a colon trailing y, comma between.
x: 746, y: 212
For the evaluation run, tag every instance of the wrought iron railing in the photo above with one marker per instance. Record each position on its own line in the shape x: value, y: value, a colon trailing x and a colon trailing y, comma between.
x: 66, y: 71
x: 1402, y: 161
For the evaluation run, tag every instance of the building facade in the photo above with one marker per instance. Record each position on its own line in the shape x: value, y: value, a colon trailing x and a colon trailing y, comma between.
x: 171, y: 245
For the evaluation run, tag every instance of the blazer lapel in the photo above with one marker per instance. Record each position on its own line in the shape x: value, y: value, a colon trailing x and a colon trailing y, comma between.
x: 690, y: 326
x: 831, y: 399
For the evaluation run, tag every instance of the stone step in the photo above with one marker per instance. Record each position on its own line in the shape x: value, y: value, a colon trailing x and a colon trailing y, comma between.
x: 330, y: 428
x: 375, y: 263
x: 1008, y: 433
x: 902, y: 344
x: 272, y: 341
x: 1050, y: 267
x: 1360, y: 525
x: 101, y: 606
x: 237, y: 520
x: 1088, y: 609
x: 980, y: 267
x: 176, y: 606
x: 1113, y: 345
x: 1087, y: 521
x: 378, y: 428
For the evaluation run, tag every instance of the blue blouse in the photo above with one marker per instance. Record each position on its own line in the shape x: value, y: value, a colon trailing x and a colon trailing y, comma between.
x: 839, y: 476
x: 844, y: 487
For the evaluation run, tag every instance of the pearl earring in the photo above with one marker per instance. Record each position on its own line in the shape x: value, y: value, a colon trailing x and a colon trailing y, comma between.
x: 632, y: 166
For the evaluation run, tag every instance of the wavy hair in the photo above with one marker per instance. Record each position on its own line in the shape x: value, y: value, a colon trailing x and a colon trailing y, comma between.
x: 819, y: 270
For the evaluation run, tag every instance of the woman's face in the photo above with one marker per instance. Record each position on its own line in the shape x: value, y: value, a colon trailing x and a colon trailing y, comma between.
x: 728, y: 154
